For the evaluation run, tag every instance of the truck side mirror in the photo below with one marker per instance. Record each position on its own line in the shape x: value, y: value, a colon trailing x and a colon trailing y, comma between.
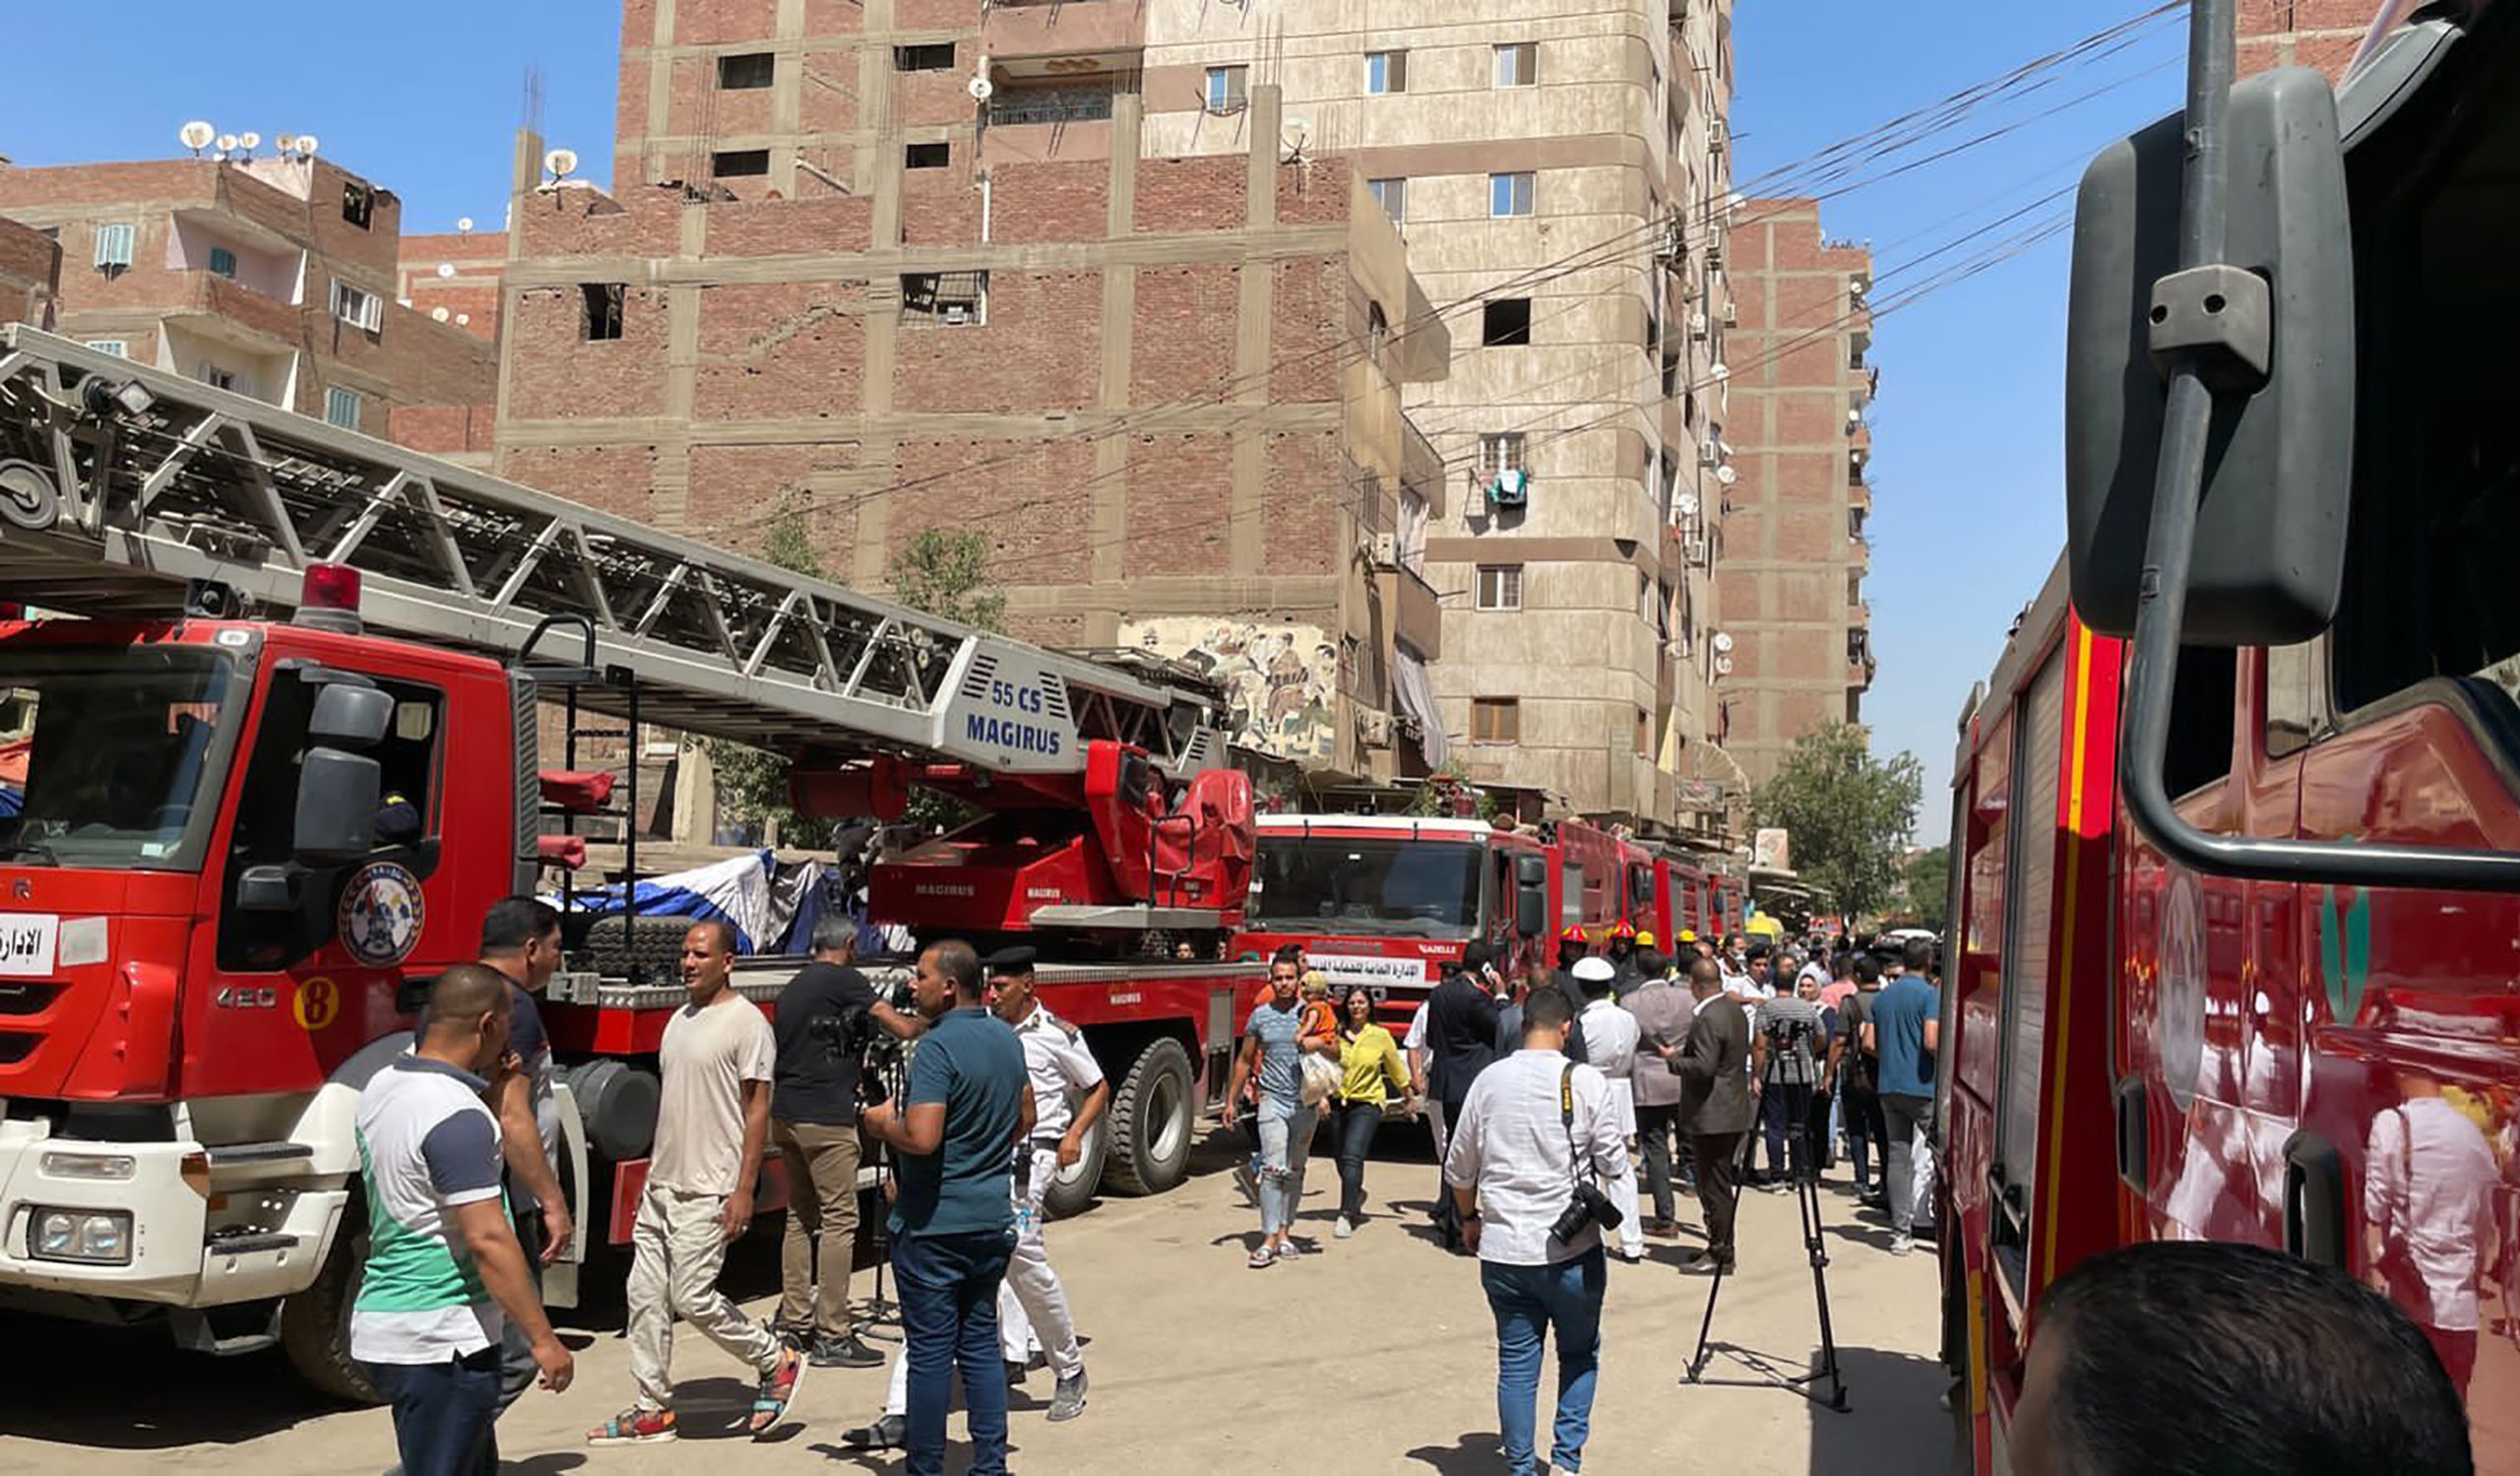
x: 337, y: 799
x: 1530, y: 895
x: 2270, y: 531
x: 350, y: 715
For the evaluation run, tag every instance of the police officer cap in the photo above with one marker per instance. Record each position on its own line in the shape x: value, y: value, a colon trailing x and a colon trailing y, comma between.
x: 1016, y: 960
x: 1595, y: 970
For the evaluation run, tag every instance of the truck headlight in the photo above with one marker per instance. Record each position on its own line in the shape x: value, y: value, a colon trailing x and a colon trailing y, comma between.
x: 95, y: 1237
x: 89, y: 1165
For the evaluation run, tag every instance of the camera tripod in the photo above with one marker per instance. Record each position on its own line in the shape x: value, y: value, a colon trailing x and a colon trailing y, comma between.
x: 1804, y: 1172
x: 882, y: 1310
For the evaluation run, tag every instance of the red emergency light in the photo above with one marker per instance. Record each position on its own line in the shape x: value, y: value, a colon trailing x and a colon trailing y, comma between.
x: 330, y: 597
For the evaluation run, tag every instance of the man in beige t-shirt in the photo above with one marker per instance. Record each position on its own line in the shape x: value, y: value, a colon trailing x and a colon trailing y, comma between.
x: 711, y: 1121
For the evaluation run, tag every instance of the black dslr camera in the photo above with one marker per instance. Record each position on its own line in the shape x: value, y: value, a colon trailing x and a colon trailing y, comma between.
x: 1590, y: 1206
x: 853, y: 1033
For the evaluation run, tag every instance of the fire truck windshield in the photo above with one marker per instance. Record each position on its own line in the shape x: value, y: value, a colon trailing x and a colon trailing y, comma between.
x: 104, y: 754
x: 1367, y: 884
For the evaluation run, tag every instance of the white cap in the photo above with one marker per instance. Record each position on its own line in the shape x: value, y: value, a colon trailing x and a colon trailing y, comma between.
x: 1594, y: 970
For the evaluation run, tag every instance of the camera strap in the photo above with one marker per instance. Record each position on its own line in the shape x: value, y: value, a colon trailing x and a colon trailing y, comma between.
x: 1576, y: 1163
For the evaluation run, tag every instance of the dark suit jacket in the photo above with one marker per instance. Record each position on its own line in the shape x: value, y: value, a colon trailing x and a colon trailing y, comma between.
x: 1461, y: 1036
x: 1714, y: 1067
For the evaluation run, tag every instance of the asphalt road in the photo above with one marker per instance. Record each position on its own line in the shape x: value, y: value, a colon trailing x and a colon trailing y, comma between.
x: 1375, y: 1356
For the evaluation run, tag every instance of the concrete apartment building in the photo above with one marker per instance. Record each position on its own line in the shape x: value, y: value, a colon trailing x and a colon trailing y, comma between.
x: 828, y: 281
x: 1796, y: 621
x: 1558, y: 172
x: 273, y: 277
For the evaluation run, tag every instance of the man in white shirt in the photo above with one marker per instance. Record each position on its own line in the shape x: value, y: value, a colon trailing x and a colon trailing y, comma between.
x: 2429, y: 1180
x: 1610, y: 1037
x: 713, y: 1119
x: 1530, y: 1123
x: 444, y: 1262
x: 1032, y: 1302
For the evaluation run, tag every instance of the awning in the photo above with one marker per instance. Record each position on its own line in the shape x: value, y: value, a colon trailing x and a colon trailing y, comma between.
x: 1415, y: 696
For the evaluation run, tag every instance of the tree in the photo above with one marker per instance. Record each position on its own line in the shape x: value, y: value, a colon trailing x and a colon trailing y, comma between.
x: 1845, y: 813
x: 1927, y: 881
x: 752, y: 782
x: 945, y: 574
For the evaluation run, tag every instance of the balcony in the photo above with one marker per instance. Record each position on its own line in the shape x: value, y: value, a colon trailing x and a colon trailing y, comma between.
x: 1409, y: 602
x: 212, y: 302
x: 1020, y: 106
x: 1019, y: 36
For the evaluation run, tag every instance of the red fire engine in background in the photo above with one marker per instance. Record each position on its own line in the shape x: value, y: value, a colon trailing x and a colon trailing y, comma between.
x: 214, y: 927
x: 2235, y: 821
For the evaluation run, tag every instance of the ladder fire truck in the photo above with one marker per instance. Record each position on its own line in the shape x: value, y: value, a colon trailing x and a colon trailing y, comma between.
x: 239, y: 846
x: 2235, y: 820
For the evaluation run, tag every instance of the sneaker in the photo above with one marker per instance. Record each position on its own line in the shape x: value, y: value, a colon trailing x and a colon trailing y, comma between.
x: 635, y: 1427
x: 1901, y: 1244
x: 886, y: 1434
x: 1068, y: 1400
x: 1343, y: 1229
x: 845, y: 1351
x: 1634, y: 1256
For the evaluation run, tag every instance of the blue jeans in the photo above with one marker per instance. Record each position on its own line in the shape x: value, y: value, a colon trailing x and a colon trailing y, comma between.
x: 443, y: 1413
x: 1286, y: 1147
x: 1528, y: 1302
x: 949, y: 1321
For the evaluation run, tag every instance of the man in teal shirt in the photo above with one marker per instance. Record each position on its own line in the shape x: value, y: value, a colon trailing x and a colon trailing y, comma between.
x: 968, y: 1104
x: 1903, y: 1028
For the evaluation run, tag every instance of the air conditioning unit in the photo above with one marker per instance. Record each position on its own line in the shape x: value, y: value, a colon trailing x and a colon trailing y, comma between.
x: 1697, y: 324
x: 1382, y: 550
x: 1693, y: 551
x: 1374, y: 728
x: 1715, y: 256
x: 1732, y: 314
x: 1708, y: 455
x: 1716, y: 136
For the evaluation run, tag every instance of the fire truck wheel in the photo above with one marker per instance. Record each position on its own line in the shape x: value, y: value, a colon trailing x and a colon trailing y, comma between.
x: 315, y: 1325
x: 1073, y: 1187
x: 1150, y: 1121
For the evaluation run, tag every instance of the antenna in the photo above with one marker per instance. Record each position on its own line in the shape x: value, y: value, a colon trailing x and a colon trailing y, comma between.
x: 560, y: 163
x: 196, y: 136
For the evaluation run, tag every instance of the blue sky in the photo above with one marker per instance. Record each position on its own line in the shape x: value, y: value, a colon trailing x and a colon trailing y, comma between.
x: 1968, y: 502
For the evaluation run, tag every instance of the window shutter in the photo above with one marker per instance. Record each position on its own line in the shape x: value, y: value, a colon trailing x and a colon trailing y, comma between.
x: 113, y: 245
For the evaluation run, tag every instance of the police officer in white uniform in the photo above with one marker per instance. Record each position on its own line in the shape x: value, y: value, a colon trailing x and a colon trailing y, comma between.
x: 1068, y: 1096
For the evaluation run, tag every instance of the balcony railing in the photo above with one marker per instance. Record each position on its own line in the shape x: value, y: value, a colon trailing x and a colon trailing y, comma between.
x: 1035, y: 105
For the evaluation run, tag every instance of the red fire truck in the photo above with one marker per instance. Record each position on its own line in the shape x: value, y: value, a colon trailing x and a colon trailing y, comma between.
x: 1386, y: 900
x: 2235, y: 821
x: 210, y: 935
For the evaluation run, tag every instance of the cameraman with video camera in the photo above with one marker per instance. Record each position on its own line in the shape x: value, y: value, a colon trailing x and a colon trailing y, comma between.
x: 1534, y: 1144
x: 827, y: 1019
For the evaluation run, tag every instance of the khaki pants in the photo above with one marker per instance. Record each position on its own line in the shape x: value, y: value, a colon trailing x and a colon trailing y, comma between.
x: 677, y: 1252
x: 822, y: 1207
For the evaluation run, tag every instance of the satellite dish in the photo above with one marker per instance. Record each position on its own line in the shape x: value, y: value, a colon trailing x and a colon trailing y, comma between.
x: 226, y: 142
x: 462, y: 319
x: 439, y: 313
x: 1724, y: 666
x: 1723, y: 372
x: 445, y: 269
x: 306, y: 145
x: 560, y: 163
x: 1688, y: 504
x: 1726, y: 476
x: 980, y: 88
x: 196, y: 135
x: 1723, y: 640
x: 464, y: 224
x: 250, y: 139
x: 286, y: 142
x: 1295, y: 133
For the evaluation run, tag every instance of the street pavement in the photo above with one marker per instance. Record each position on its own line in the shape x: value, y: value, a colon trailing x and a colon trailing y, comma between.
x: 1376, y: 1355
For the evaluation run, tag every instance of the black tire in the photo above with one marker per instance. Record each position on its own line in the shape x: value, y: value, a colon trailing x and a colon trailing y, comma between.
x: 622, y: 943
x: 1073, y: 1187
x: 315, y: 1325
x: 1151, y: 1123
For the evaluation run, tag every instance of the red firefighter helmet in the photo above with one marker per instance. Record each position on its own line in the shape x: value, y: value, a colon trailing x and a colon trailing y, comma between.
x: 1623, y: 929
x: 1572, y: 932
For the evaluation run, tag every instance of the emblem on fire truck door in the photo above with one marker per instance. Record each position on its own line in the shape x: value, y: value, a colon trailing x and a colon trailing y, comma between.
x: 2178, y: 989
x: 380, y: 915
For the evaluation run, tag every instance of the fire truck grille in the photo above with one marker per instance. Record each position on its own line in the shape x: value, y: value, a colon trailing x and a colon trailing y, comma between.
x: 18, y: 998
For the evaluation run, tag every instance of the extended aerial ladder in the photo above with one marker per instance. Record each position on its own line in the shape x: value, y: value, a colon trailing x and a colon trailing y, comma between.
x: 126, y: 490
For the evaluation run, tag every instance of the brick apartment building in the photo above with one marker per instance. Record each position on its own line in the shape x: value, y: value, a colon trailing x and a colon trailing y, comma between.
x: 458, y: 272
x: 29, y: 274
x: 273, y: 277
x: 2321, y: 33
x: 1795, y: 557
x: 1166, y: 390
x: 1564, y: 179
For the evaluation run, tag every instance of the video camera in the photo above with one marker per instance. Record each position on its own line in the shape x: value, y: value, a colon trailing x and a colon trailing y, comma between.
x: 854, y: 1034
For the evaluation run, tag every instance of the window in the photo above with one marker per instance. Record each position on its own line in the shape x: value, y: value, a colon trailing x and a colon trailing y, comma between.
x: 934, y: 156
x: 1498, y: 452
x: 604, y: 304
x: 1392, y: 195
x: 739, y: 164
x: 1386, y: 72
x: 1518, y: 64
x: 222, y: 262
x: 947, y: 298
x: 2038, y: 731
x: 1505, y: 323
x: 1509, y: 194
x: 358, y: 204
x: 1229, y: 89
x: 217, y: 378
x: 935, y: 57
x: 341, y: 408
x: 1500, y: 587
x: 116, y: 347
x: 1497, y: 720
x: 1644, y: 734
x: 114, y: 247
x: 358, y: 308
x: 753, y: 69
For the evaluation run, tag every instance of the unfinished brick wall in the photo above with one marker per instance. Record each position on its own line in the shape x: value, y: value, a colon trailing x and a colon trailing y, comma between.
x: 29, y: 274
x: 561, y: 375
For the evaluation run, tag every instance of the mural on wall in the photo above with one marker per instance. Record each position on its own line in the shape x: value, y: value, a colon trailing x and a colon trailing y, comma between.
x: 1279, y: 680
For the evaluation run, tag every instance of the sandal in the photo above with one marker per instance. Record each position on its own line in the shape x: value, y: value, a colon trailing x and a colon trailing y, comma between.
x: 1261, y: 1259
x: 777, y: 1390
x: 634, y: 1427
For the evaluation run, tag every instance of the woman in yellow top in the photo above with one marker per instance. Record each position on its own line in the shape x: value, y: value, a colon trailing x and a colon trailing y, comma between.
x: 1370, y: 1074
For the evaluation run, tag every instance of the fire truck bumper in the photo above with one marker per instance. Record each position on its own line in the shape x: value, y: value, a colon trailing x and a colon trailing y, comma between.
x: 152, y: 1222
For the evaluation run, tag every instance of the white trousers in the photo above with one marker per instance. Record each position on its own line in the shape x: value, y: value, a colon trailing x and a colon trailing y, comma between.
x: 1032, y: 1303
